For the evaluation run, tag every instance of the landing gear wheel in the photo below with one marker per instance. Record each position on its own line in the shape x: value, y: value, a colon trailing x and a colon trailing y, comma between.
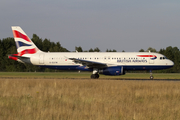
x: 94, y: 76
x: 151, y: 77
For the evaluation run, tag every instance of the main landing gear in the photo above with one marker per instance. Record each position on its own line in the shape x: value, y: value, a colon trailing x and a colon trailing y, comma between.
x: 95, y: 74
x: 151, y: 76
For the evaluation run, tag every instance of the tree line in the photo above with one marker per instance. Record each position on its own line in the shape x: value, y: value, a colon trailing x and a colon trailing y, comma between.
x: 7, y: 47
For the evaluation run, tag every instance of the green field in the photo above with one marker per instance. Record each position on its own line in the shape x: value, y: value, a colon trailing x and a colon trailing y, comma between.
x: 86, y: 75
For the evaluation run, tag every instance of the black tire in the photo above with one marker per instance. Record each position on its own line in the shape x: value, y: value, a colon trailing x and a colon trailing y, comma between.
x: 151, y: 77
x: 94, y: 76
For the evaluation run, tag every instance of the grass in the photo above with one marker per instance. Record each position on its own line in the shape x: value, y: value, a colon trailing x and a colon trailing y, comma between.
x: 53, y: 98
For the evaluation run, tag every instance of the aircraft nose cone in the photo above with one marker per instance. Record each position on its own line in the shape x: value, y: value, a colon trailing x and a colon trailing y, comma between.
x: 172, y: 63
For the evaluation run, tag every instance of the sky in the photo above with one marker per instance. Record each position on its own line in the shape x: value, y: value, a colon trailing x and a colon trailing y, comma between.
x: 128, y: 25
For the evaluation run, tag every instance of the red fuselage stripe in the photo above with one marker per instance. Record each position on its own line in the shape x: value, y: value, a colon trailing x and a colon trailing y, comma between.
x: 146, y: 55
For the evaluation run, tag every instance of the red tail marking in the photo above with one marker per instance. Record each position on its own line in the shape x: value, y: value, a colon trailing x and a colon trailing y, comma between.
x: 17, y: 34
x: 27, y: 51
x: 13, y: 58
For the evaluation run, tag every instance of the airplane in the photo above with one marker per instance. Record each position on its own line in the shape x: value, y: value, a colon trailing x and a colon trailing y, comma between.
x: 107, y: 63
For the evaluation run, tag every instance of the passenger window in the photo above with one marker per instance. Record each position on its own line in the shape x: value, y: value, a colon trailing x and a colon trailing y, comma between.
x: 160, y: 58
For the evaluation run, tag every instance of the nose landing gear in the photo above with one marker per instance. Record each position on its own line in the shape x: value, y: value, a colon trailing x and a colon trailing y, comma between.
x: 151, y: 76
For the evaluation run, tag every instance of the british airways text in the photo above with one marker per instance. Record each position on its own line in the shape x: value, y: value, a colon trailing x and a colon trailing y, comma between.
x: 135, y: 61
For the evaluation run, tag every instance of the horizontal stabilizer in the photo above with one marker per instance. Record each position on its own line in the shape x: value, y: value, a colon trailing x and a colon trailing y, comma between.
x: 22, y: 59
x: 13, y: 55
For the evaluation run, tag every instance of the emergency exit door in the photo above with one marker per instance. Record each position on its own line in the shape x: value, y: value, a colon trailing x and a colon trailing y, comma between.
x: 41, y: 59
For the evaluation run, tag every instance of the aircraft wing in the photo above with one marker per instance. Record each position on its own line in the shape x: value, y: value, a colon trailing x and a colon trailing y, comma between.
x: 90, y: 64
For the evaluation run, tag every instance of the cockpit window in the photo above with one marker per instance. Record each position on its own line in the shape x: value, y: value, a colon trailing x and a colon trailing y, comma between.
x: 162, y: 58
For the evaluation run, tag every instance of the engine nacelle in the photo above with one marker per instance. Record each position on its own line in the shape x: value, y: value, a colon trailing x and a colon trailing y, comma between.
x: 118, y: 70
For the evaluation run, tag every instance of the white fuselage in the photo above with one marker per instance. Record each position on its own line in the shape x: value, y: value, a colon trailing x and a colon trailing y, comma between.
x: 129, y: 60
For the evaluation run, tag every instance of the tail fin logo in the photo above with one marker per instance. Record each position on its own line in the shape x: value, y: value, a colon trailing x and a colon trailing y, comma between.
x: 23, y: 43
x: 20, y: 35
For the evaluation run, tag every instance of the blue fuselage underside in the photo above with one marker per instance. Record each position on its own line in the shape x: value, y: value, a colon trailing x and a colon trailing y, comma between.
x: 152, y: 67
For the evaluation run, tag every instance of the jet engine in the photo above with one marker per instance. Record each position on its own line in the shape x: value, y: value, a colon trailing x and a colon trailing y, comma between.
x: 117, y: 70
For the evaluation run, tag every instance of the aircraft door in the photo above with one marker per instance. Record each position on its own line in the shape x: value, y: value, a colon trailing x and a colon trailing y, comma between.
x: 151, y: 60
x: 41, y: 59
